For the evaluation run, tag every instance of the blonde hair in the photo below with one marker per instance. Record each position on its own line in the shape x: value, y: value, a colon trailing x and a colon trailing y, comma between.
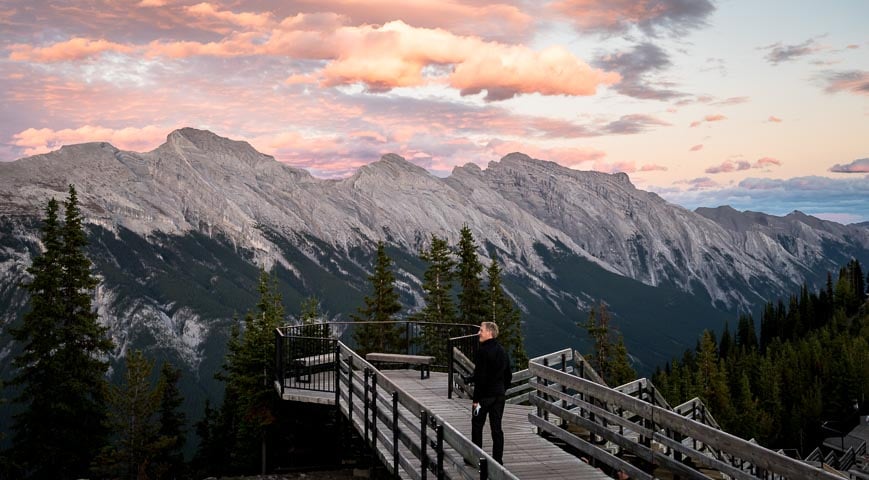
x: 491, y: 327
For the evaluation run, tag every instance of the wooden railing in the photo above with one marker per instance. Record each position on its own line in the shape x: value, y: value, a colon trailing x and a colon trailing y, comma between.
x: 646, y: 428
x: 409, y: 439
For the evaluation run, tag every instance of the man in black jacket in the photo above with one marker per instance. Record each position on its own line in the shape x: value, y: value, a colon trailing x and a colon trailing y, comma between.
x: 491, y: 380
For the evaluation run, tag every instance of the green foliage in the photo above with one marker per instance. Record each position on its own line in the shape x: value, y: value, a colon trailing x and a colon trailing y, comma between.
x: 471, y: 298
x: 609, y: 358
x: 250, y: 401
x: 381, y: 306
x: 812, y: 365
x: 169, y: 462
x: 61, y: 368
x: 312, y: 319
x: 499, y: 308
x: 133, y: 421
x: 437, y: 288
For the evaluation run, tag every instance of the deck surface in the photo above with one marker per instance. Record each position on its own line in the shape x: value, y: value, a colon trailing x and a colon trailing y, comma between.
x: 526, y: 454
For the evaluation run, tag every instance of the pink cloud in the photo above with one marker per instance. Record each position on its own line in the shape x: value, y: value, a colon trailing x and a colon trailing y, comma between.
x: 73, y: 49
x: 854, y: 81
x: 774, y: 119
x: 380, y: 57
x: 709, y: 118
x: 500, y: 20
x: 35, y: 141
x: 618, y: 15
x: 860, y: 165
x: 766, y: 162
x: 653, y: 168
x: 208, y: 11
x: 698, y: 183
x: 696, y: 148
x: 729, y: 166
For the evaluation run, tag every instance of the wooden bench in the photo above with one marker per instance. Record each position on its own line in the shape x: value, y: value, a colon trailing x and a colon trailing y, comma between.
x: 303, y: 366
x: 424, y: 361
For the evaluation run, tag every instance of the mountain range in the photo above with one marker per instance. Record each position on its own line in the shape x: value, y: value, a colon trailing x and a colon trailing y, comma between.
x: 178, y: 235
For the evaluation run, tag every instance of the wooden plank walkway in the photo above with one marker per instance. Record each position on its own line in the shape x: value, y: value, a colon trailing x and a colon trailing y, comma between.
x: 526, y: 454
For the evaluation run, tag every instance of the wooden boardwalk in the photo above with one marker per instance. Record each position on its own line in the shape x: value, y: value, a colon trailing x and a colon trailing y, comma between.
x: 526, y: 454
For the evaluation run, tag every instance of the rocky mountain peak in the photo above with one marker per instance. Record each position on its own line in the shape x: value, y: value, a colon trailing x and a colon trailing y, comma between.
x: 392, y: 166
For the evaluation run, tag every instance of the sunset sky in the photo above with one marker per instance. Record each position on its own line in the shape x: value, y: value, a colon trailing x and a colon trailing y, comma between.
x: 762, y: 105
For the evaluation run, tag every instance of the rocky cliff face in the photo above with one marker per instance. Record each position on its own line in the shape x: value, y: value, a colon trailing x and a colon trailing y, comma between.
x: 178, y: 233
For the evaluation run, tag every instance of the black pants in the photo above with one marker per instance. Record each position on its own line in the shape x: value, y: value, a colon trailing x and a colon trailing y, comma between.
x: 493, y: 407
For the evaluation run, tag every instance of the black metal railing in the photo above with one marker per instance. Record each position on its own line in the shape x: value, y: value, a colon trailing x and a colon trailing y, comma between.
x: 410, y: 440
x: 462, y: 351
x: 304, y: 354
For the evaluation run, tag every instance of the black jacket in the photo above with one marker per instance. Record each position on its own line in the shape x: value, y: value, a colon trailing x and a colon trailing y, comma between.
x: 491, y: 370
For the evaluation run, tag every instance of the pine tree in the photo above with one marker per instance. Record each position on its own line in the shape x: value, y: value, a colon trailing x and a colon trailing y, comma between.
x: 250, y: 374
x: 621, y: 371
x: 381, y: 306
x: 312, y: 319
x: 499, y: 308
x: 471, y: 299
x: 597, y: 327
x: 133, y: 419
x: 62, y: 367
x: 169, y: 462
x: 437, y: 288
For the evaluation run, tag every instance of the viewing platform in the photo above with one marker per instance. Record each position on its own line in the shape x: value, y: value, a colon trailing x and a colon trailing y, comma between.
x: 562, y: 421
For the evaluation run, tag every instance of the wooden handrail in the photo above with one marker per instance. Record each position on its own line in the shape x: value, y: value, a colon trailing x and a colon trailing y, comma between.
x: 674, y: 422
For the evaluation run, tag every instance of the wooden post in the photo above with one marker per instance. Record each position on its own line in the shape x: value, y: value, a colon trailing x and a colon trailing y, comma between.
x: 564, y: 389
x: 365, y: 404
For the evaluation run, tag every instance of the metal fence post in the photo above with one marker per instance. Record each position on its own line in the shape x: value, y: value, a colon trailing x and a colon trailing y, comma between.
x: 440, y: 451
x: 395, y: 434
x: 484, y: 469
x: 350, y: 389
x: 374, y: 411
x: 450, y: 368
x: 423, y: 441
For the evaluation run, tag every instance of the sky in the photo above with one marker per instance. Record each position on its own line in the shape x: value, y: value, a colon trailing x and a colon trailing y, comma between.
x: 760, y: 105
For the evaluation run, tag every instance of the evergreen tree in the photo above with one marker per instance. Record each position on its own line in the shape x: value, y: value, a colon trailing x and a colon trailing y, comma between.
x: 597, y: 327
x: 250, y: 376
x: 437, y: 288
x: 134, y: 406
x: 210, y: 454
x: 61, y: 370
x: 169, y: 462
x: 501, y: 310
x: 312, y: 319
x: 621, y: 371
x: 711, y: 381
x: 381, y: 306
x: 471, y: 300
x: 726, y: 344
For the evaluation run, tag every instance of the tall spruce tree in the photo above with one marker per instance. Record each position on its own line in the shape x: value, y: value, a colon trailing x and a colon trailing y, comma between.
x: 381, y: 306
x: 62, y: 367
x: 133, y: 419
x: 250, y: 375
x: 437, y: 288
x: 169, y: 462
x: 499, y: 308
x: 472, y: 308
x: 609, y: 358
